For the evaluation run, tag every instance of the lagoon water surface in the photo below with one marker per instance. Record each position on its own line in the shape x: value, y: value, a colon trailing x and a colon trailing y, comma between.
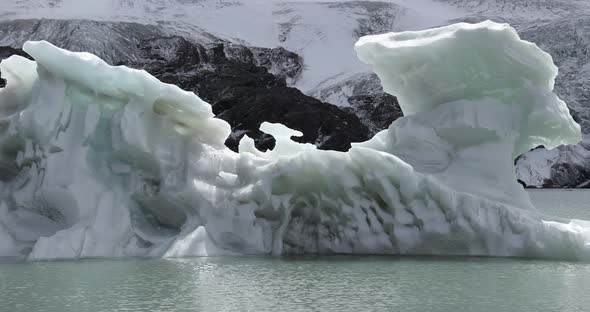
x: 339, y: 283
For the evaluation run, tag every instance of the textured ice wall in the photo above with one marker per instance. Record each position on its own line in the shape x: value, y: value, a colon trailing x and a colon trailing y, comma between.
x: 101, y: 161
x: 475, y: 97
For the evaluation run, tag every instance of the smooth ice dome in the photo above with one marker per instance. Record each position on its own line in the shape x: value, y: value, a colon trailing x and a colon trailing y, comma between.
x: 102, y: 161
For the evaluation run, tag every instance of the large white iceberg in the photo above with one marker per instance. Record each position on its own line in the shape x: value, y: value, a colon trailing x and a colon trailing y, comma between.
x: 102, y: 161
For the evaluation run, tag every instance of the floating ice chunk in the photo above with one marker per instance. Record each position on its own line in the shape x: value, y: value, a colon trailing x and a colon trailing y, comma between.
x: 284, y: 145
x: 102, y: 161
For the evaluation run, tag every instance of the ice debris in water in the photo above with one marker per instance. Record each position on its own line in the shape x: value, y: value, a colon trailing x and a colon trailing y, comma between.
x: 102, y: 161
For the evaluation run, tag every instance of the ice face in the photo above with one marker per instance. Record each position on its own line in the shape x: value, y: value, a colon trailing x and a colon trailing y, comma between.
x: 101, y: 161
x: 468, y: 63
x: 475, y: 97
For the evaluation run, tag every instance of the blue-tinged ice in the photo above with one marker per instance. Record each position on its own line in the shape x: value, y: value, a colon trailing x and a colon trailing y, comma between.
x: 102, y: 161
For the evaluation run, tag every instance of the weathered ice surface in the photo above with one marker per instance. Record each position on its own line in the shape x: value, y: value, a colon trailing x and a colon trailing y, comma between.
x: 101, y: 161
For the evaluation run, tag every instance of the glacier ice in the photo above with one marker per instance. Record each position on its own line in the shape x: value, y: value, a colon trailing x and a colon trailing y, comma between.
x: 102, y: 161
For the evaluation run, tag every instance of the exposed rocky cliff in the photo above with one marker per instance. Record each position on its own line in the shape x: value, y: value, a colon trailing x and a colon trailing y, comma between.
x: 246, y: 94
x: 245, y: 85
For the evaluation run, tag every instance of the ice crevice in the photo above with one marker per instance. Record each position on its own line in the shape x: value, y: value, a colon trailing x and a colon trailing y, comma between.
x: 103, y: 161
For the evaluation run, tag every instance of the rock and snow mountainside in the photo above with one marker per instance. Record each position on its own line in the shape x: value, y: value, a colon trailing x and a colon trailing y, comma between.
x: 245, y: 95
x: 154, y: 178
x: 321, y: 34
x: 246, y: 85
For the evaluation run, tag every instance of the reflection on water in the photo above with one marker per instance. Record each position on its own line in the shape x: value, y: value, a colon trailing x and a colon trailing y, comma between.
x: 296, y: 284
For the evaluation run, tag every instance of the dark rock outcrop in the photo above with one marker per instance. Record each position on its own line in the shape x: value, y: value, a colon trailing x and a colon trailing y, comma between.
x: 238, y: 83
x: 365, y: 97
x: 568, y: 175
x: 245, y: 94
x: 377, y: 110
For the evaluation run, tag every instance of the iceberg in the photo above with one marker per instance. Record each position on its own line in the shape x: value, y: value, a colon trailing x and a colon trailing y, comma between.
x: 103, y: 161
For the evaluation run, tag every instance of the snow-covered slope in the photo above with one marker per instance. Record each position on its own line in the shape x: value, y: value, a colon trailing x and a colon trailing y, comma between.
x: 521, y: 10
x: 322, y: 32
x: 313, y: 29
